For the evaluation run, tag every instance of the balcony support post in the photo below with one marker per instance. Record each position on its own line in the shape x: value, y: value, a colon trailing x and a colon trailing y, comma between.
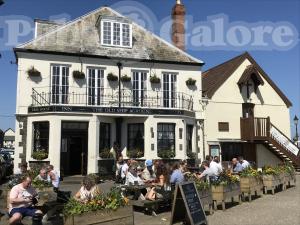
x: 119, y: 64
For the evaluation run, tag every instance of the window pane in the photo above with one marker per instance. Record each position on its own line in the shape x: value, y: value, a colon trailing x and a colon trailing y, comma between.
x: 41, y: 136
x: 126, y: 34
x: 116, y: 34
x: 106, y: 33
x: 165, y: 136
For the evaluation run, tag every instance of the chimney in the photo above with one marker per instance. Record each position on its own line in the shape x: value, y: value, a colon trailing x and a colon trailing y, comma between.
x: 178, y: 28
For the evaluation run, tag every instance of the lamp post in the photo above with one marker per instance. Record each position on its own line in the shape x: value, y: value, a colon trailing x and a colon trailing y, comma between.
x: 296, y: 120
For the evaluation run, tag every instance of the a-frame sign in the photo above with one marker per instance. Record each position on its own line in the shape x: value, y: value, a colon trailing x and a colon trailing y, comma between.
x: 187, y: 206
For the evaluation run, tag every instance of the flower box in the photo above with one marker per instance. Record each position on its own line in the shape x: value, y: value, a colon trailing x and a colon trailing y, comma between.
x: 123, y: 215
x: 251, y: 185
x: 289, y: 178
x: 271, y: 182
x: 223, y: 192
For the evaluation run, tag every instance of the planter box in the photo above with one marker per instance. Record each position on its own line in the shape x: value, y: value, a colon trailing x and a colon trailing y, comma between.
x: 250, y: 186
x: 289, y: 178
x: 271, y: 182
x: 122, y: 216
x: 222, y: 193
x: 206, y: 199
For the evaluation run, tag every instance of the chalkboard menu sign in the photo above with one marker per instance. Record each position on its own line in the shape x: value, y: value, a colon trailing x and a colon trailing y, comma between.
x: 187, y: 206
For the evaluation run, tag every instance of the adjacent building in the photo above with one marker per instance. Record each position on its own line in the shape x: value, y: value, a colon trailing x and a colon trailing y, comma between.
x: 9, y: 139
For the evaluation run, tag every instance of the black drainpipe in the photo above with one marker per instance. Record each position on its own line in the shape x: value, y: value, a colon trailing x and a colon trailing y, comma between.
x: 119, y: 64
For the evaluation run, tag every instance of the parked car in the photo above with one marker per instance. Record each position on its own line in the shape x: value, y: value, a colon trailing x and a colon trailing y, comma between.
x: 9, y: 162
x: 2, y: 168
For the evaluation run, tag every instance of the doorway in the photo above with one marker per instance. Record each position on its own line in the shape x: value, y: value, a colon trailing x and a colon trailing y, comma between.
x: 74, y: 148
x: 248, y: 110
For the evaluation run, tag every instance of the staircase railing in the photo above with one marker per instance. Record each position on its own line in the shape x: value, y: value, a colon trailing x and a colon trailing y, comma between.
x: 261, y: 129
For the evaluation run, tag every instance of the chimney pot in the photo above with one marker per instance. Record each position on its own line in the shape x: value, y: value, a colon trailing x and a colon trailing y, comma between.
x: 178, y: 26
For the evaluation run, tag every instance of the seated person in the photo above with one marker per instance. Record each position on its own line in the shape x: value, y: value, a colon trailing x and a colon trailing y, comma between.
x: 22, y: 169
x: 43, y: 176
x: 132, y: 176
x: 236, y: 166
x: 21, y: 201
x: 148, y: 173
x: 177, y: 175
x: 88, y: 191
x: 243, y: 162
x: 161, y: 186
x: 54, y: 177
x: 208, y: 173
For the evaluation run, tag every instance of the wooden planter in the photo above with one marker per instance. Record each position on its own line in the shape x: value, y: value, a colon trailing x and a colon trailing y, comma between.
x: 251, y: 186
x: 206, y: 199
x: 289, y: 178
x: 222, y: 193
x: 271, y: 182
x: 122, y: 216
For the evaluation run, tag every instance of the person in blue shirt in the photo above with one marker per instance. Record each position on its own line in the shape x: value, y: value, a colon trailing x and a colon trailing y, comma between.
x: 236, y: 166
x: 177, y: 175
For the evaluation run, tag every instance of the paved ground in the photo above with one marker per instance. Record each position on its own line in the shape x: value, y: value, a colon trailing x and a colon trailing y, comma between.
x: 283, y: 208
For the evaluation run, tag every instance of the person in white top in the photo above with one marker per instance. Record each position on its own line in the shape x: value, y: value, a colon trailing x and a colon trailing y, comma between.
x: 243, y: 162
x: 88, y: 191
x: 54, y: 177
x: 215, y: 168
x: 217, y: 160
x: 43, y: 176
x: 124, y: 169
x: 132, y: 177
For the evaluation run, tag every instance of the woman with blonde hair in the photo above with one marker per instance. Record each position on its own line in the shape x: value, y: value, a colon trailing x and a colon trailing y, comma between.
x: 88, y: 191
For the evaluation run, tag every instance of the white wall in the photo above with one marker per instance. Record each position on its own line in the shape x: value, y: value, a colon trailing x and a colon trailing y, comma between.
x: 264, y: 157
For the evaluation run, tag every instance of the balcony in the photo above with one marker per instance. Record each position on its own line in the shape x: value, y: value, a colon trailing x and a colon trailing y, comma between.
x: 109, y: 98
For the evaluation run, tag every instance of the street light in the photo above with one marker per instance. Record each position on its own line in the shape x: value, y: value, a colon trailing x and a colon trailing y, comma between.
x: 296, y: 120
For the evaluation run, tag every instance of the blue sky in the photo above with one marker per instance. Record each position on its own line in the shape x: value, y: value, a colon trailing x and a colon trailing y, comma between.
x: 282, y: 66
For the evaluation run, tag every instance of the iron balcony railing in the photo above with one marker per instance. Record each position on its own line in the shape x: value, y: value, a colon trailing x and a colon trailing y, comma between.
x: 102, y: 97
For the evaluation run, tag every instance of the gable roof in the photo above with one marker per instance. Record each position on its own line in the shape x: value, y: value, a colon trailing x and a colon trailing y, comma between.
x: 213, y: 78
x: 81, y: 37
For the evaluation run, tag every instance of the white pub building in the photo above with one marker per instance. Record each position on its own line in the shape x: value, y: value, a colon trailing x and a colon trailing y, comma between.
x: 102, y: 80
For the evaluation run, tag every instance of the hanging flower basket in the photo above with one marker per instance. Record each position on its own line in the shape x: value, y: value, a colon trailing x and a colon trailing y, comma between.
x: 33, y: 72
x: 190, y: 82
x: 125, y: 78
x: 154, y: 79
x: 40, y: 155
x: 78, y: 74
x: 112, y: 77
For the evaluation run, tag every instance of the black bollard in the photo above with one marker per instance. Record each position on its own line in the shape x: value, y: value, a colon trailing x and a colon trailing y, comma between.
x: 37, y: 219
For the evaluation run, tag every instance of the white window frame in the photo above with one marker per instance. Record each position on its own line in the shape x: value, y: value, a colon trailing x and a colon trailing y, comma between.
x: 60, y: 85
x: 112, y: 34
x: 99, y: 71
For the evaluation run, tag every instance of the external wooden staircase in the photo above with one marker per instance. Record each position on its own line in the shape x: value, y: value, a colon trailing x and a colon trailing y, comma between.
x: 261, y: 130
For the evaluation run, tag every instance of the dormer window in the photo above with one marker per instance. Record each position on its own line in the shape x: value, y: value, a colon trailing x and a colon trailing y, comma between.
x: 115, y: 33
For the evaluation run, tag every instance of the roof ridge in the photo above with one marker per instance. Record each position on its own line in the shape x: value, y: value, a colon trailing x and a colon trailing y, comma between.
x: 226, y: 62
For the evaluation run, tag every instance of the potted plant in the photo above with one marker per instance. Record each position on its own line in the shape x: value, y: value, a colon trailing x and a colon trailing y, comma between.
x: 125, y: 78
x: 33, y: 72
x: 78, y: 74
x: 106, y: 154
x: 226, y: 186
x: 112, y: 77
x: 166, y: 154
x: 135, y: 153
x: 271, y: 178
x: 154, y: 79
x: 251, y: 182
x: 190, y: 82
x: 39, y: 154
